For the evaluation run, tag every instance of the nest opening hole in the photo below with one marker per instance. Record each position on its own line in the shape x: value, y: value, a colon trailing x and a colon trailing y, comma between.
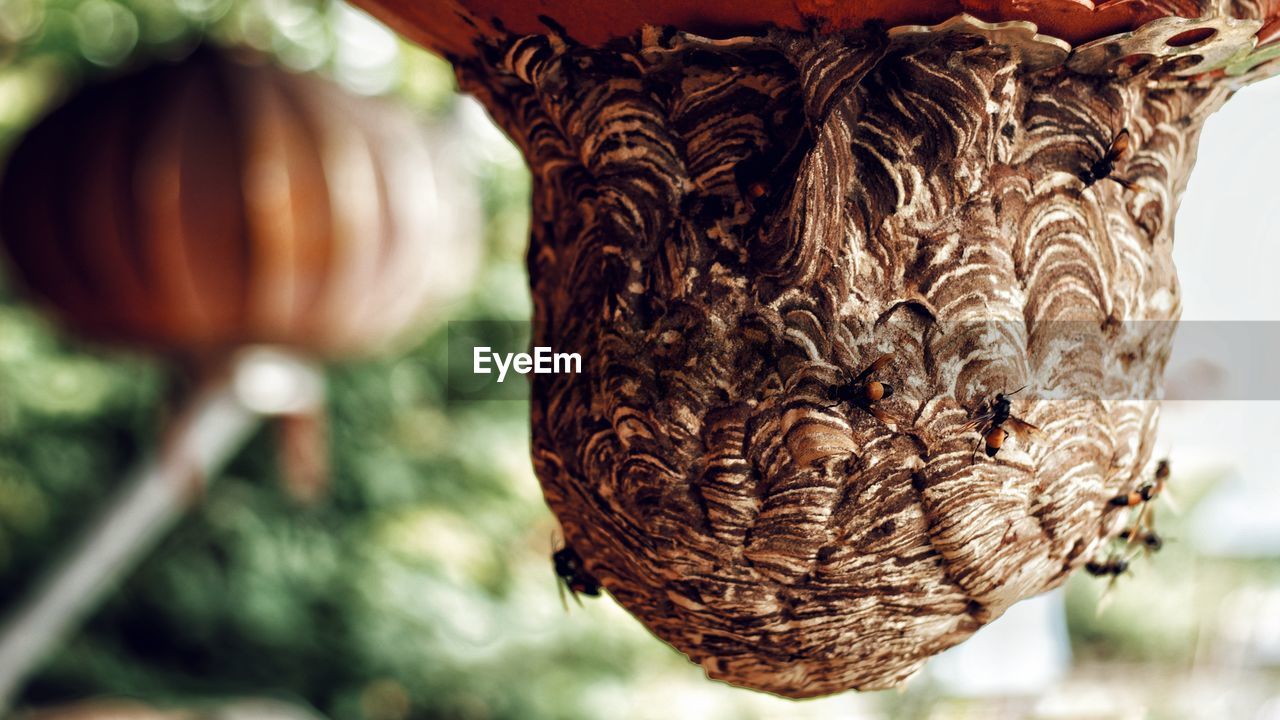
x: 1190, y: 37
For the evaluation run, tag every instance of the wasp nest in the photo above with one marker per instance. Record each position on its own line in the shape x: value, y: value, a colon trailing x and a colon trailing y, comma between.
x: 730, y: 231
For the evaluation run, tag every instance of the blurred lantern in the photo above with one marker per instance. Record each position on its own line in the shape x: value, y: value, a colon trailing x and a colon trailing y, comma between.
x: 199, y: 207
x: 241, y: 221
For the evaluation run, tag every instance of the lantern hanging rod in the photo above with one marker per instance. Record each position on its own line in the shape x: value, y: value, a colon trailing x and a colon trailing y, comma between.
x: 227, y: 407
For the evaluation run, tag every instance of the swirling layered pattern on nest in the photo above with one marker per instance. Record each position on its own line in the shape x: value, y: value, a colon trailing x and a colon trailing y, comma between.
x: 727, y: 230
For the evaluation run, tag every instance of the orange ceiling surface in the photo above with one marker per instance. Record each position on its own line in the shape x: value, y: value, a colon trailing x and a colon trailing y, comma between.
x: 451, y: 27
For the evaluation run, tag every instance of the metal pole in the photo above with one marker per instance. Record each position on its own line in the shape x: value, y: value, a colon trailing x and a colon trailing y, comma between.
x: 214, y: 424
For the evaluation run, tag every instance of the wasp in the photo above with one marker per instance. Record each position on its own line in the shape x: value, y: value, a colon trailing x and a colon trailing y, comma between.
x: 572, y: 574
x: 1112, y: 567
x: 1162, y: 475
x: 1146, y: 492
x: 1151, y: 540
x: 1143, y: 530
x: 864, y: 392
x: 992, y: 420
x: 1104, y: 168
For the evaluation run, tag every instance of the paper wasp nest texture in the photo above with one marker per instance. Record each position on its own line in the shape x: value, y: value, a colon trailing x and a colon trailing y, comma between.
x: 729, y: 230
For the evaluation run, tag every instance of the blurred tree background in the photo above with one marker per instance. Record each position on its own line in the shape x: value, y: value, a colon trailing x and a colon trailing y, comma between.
x: 422, y: 586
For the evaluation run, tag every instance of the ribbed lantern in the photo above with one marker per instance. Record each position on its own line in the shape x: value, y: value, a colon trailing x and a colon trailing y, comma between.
x: 740, y: 206
x: 203, y: 210
x: 200, y: 207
